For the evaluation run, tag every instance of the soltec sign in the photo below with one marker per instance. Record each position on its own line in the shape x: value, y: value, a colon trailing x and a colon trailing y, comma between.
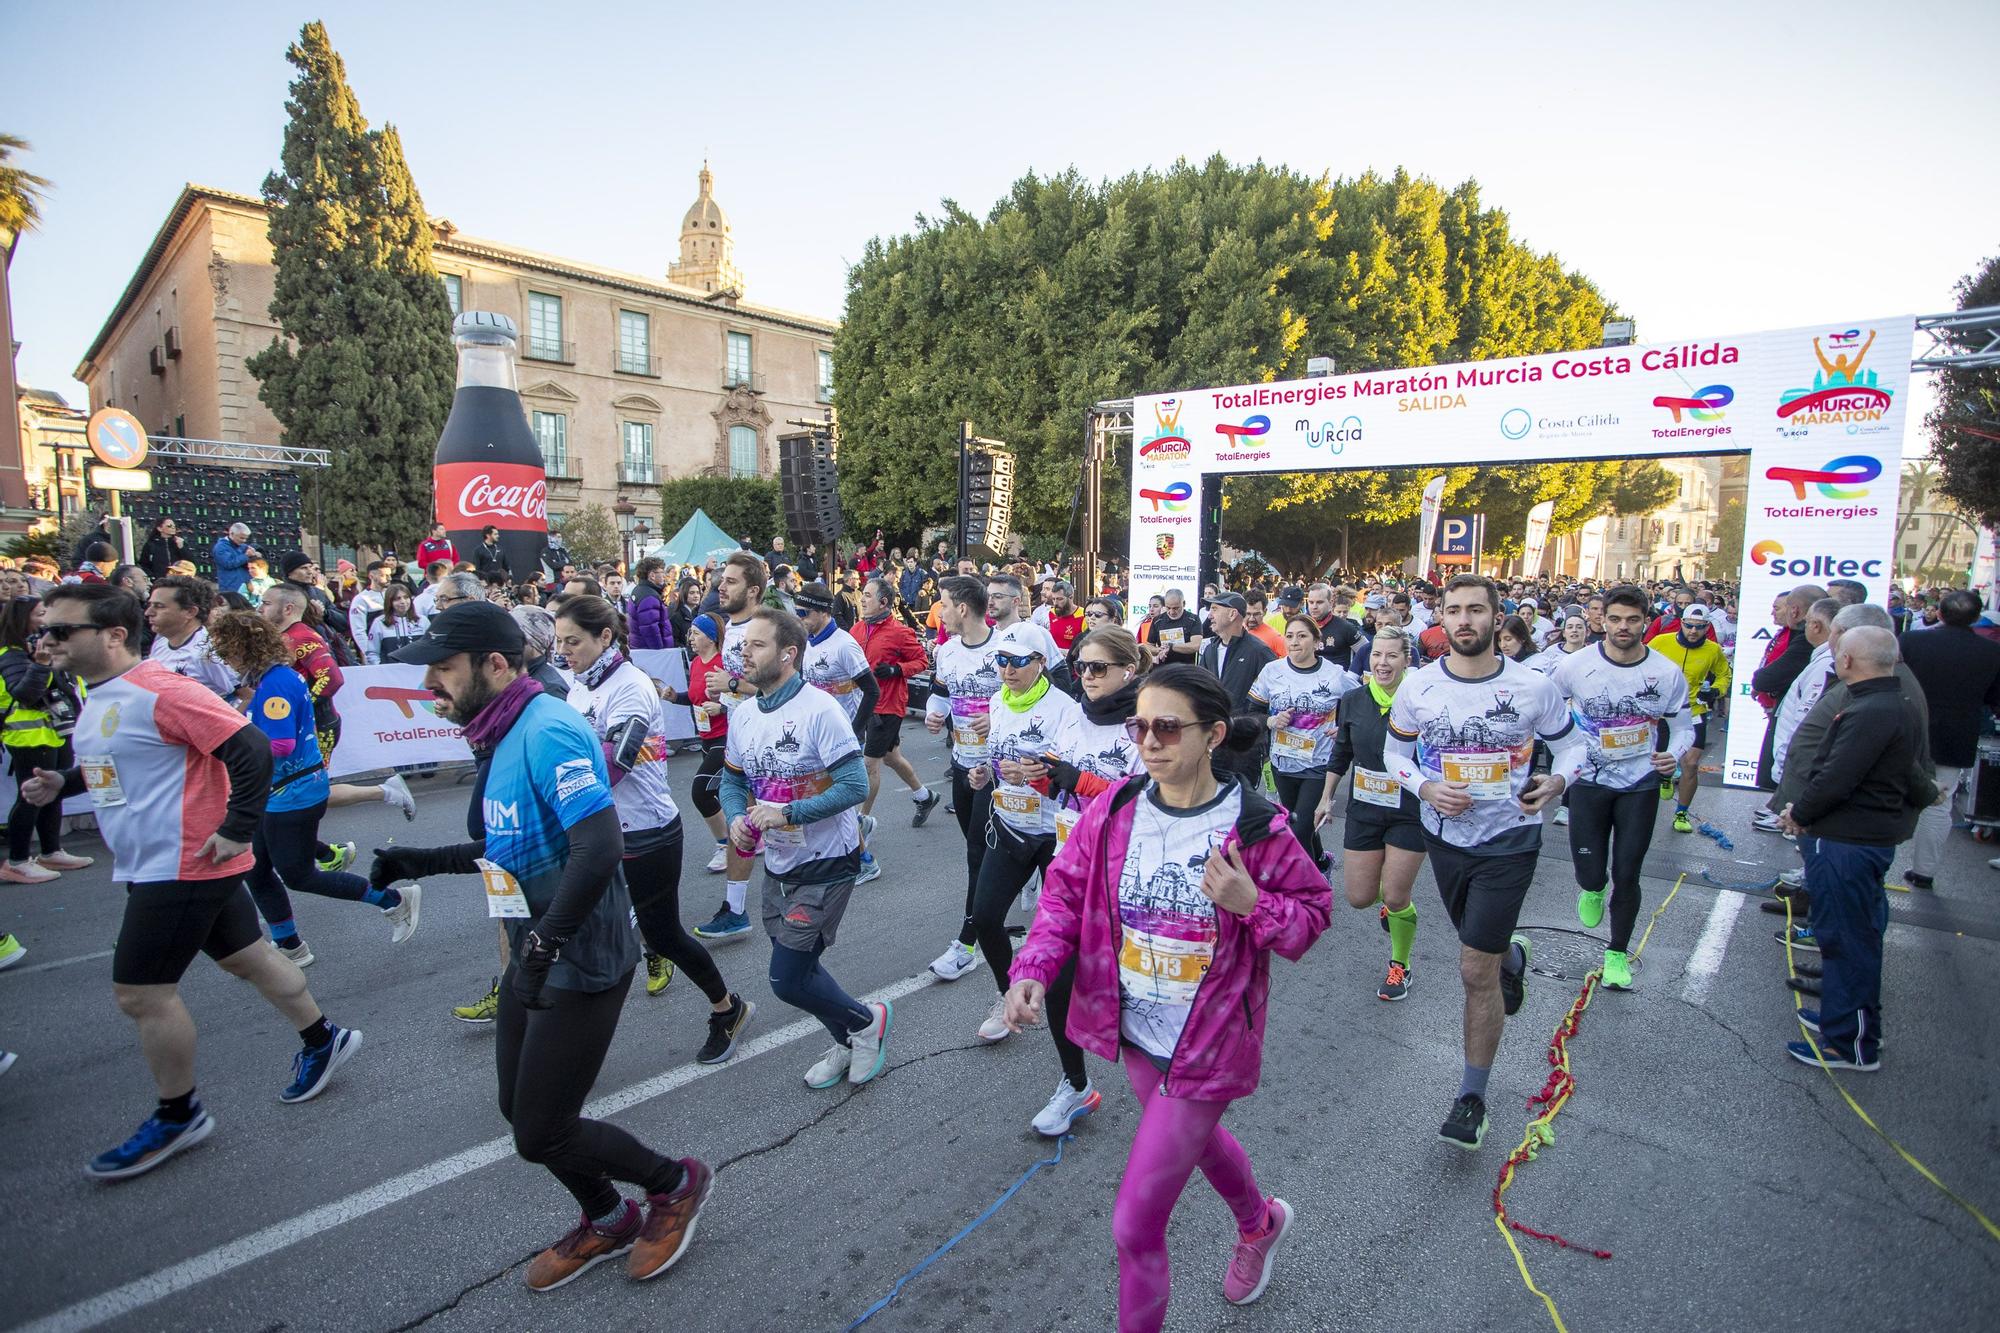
x: 1771, y: 558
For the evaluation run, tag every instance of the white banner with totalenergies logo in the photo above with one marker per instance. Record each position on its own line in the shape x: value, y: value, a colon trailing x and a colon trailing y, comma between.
x: 1821, y: 411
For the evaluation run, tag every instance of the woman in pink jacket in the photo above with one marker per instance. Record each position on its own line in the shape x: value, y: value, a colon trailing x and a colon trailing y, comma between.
x: 1171, y: 895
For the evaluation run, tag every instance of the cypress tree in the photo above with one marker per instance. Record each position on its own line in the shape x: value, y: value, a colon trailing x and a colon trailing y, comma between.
x: 365, y: 366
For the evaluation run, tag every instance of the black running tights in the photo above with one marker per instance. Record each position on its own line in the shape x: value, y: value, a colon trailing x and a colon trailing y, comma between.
x: 654, y: 880
x: 1299, y: 793
x: 973, y: 808
x: 1612, y: 830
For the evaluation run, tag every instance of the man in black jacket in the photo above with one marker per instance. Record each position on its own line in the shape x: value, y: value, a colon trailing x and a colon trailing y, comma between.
x: 1770, y: 681
x: 1960, y: 673
x: 1863, y: 786
x: 1235, y: 657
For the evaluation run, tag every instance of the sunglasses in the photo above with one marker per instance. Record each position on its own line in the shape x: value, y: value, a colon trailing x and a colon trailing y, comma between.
x: 1015, y: 661
x: 1092, y: 670
x: 1167, y: 729
x: 61, y: 633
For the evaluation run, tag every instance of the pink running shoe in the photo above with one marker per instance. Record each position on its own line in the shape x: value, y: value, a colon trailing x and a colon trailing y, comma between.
x: 1250, y: 1267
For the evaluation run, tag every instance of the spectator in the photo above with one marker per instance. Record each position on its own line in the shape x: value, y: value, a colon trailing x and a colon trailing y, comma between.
x: 776, y: 555
x: 99, y: 559
x: 687, y: 605
x: 650, y: 626
x: 1783, y: 661
x: 79, y: 555
x: 232, y: 555
x: 1809, y: 685
x: 847, y: 603
x: 1236, y: 659
x: 162, y: 549
x: 436, y: 547
x: 487, y: 557
x: 367, y: 602
x: 1960, y: 674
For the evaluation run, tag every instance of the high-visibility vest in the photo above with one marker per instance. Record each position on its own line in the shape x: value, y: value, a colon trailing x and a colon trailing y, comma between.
x: 33, y: 727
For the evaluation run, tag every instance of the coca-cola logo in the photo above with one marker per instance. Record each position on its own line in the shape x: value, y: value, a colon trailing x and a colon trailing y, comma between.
x: 483, y: 497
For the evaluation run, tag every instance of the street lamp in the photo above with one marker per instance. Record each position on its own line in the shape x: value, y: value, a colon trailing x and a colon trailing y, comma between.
x: 642, y: 534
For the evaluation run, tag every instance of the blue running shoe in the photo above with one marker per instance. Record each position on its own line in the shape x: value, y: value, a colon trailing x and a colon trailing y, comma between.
x: 312, y: 1070
x: 155, y: 1141
x: 724, y: 925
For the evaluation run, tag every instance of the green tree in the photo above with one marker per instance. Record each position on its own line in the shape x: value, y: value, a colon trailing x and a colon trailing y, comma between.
x: 21, y: 190
x: 364, y: 367
x: 1965, y: 424
x: 591, y: 536
x: 750, y: 507
x: 1728, y: 534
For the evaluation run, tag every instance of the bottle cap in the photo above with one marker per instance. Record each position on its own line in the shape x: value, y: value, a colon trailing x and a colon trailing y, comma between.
x: 484, y: 326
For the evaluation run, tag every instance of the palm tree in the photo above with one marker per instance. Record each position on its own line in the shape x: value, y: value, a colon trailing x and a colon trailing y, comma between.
x: 20, y: 189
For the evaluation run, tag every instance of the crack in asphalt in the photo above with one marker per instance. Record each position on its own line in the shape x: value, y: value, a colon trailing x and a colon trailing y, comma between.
x: 463, y: 1292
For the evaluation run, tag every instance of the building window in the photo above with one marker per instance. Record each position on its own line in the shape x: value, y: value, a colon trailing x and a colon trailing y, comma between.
x: 826, y: 377
x: 635, y: 343
x: 638, y: 464
x: 1674, y: 535
x: 739, y: 361
x: 545, y: 327
x: 742, y: 451
x: 552, y: 433
x: 454, y: 293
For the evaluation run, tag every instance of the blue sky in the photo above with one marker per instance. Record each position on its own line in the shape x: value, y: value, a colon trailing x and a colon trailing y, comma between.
x: 1714, y: 171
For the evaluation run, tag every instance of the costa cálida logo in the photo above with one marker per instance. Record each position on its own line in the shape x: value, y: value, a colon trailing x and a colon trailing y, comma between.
x: 507, y: 495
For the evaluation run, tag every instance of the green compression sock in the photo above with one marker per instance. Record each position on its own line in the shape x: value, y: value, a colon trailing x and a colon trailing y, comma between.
x: 1402, y: 934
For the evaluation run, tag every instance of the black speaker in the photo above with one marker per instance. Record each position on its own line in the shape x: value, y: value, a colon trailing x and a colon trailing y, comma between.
x: 812, y: 497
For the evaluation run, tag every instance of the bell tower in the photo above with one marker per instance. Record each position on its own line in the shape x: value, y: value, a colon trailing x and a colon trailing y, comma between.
x: 708, y: 253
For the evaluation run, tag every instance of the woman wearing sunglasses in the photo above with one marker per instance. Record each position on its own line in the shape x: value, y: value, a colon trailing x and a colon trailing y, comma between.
x: 1027, y: 718
x: 1299, y: 693
x: 1170, y: 896
x: 1383, y: 836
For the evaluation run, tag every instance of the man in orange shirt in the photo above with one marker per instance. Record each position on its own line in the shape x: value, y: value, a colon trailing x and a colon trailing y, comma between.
x: 1260, y: 605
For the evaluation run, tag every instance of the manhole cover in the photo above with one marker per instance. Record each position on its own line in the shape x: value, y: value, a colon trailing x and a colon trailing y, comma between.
x: 1565, y: 955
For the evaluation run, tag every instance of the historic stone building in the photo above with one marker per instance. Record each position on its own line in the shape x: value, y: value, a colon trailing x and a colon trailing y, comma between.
x: 627, y: 380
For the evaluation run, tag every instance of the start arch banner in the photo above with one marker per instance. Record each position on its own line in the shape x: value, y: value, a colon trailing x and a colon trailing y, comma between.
x: 1821, y: 411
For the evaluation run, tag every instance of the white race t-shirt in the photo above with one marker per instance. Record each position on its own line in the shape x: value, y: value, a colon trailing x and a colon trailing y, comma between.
x: 1027, y: 735
x: 1168, y: 923
x: 1618, y: 708
x: 196, y: 660
x: 970, y: 681
x: 788, y: 754
x: 832, y: 663
x: 1310, y: 696
x: 642, y: 796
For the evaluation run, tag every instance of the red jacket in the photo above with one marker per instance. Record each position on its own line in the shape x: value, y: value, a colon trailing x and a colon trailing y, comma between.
x: 1221, y: 1050
x: 893, y: 643
x: 429, y: 551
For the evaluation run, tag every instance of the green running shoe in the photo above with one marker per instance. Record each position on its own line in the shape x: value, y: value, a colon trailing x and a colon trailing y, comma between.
x: 1590, y: 907
x: 1666, y: 789
x: 1682, y: 824
x: 1617, y: 971
x: 481, y: 1010
x: 659, y: 974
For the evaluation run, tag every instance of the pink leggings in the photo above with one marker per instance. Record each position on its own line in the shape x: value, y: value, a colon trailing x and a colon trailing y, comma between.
x: 1175, y: 1136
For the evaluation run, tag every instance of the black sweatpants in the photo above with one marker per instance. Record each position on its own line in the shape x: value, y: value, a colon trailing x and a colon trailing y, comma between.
x: 653, y: 878
x: 1299, y: 793
x: 547, y: 1060
x: 973, y: 809
x: 27, y: 820
x: 1611, y: 831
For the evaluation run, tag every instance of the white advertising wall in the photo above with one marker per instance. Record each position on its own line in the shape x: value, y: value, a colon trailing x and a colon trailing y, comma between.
x: 1820, y: 410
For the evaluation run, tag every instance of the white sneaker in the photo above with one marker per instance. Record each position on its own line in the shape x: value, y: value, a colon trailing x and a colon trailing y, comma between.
x: 1766, y: 820
x: 396, y: 794
x: 954, y: 962
x: 1793, y: 878
x: 403, y: 916
x: 27, y: 872
x: 871, y: 869
x: 300, y: 953
x: 871, y: 1045
x: 1562, y: 814
x: 1066, y: 1108
x: 995, y: 1027
x: 720, y: 861
x: 831, y: 1069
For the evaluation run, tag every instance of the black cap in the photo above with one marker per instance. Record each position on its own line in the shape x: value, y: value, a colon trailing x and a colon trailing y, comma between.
x: 293, y: 560
x: 468, y: 627
x: 1229, y: 599
x: 1293, y: 594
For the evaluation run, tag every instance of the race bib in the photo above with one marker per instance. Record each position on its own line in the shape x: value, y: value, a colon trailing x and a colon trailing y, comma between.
x: 100, y: 774
x: 1066, y: 821
x: 1170, y: 636
x: 1294, y: 744
x: 784, y: 835
x: 1372, y: 788
x: 970, y: 745
x: 1626, y: 742
x: 503, y: 893
x: 1021, y: 810
x: 1486, y: 774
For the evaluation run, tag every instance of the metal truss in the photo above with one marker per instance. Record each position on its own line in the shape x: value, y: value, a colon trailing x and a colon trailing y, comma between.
x: 1963, y: 339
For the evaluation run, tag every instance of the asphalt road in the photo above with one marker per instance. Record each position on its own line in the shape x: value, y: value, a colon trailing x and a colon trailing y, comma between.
x: 1734, y: 1187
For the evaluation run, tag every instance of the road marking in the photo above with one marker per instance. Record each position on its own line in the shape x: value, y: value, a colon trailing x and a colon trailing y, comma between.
x: 60, y: 962
x: 1706, y: 960
x: 157, y: 1286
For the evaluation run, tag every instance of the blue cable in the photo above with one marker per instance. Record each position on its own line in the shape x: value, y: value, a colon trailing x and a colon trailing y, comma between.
x: 931, y: 1258
x: 1721, y: 838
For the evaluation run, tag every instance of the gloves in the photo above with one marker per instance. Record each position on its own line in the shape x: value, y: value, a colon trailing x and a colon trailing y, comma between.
x: 531, y: 968
x: 888, y: 671
x: 391, y: 864
x: 1063, y: 775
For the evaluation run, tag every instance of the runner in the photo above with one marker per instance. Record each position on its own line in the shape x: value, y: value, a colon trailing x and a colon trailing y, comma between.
x: 1169, y: 891
x: 255, y: 653
x: 790, y: 784
x: 1384, y: 833
x: 711, y: 723
x: 836, y: 666
x: 739, y: 591
x: 1619, y: 693
x: 178, y: 781
x: 1461, y: 738
x: 962, y: 688
x: 621, y: 705
x: 1028, y: 717
x: 895, y: 655
x: 546, y: 841
x: 177, y: 609
x: 1705, y: 665
x: 1299, y: 693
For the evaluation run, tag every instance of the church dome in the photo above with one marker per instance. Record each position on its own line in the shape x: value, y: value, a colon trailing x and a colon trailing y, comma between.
x: 706, y: 217
x: 708, y: 261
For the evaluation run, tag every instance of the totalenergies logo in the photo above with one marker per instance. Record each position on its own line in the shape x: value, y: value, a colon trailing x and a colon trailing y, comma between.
x: 1238, y: 436
x: 1701, y: 405
x: 1840, y: 479
x: 1173, y: 498
x: 1166, y: 444
x: 1842, y: 392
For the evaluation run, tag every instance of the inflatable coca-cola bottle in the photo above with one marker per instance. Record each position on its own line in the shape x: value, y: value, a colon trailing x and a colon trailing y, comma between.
x: 488, y: 468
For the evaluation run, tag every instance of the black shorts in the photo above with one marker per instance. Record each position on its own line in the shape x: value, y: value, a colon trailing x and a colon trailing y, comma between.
x: 885, y: 733
x: 1371, y: 832
x: 1482, y: 894
x: 1700, y: 733
x: 166, y: 924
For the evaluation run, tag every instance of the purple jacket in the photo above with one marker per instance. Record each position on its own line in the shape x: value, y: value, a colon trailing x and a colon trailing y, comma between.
x: 1222, y: 1048
x: 648, y: 627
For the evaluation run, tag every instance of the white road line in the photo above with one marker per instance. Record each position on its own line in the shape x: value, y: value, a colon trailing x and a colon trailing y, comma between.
x: 156, y: 1286
x: 1706, y: 960
x: 60, y: 962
